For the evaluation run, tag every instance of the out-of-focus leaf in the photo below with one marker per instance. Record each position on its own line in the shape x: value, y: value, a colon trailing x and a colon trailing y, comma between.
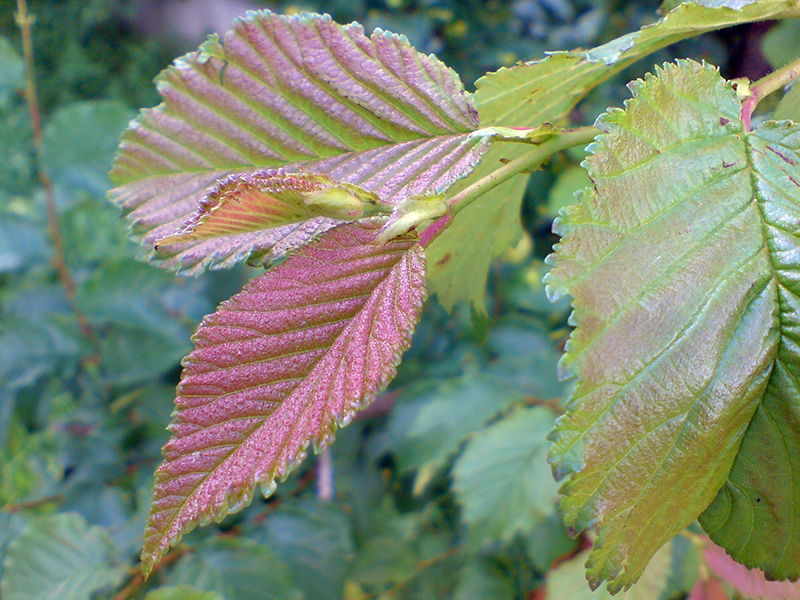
x: 548, y: 541
x: 316, y: 543
x: 237, y: 568
x: 59, y: 557
x: 481, y: 580
x: 182, y: 592
x: 301, y: 92
x: 781, y: 43
x: 750, y: 583
x: 502, y: 480
x: 708, y: 589
x: 430, y: 427
x: 280, y: 366
x: 789, y: 106
x: 684, y: 292
x: 562, y: 194
x: 79, y: 143
x: 28, y: 464
x: 12, y: 72
x: 21, y: 244
x: 544, y: 91
x: 656, y: 583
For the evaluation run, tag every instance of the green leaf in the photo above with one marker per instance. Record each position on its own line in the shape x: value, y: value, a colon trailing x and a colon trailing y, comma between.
x: 662, y: 580
x: 12, y: 72
x: 502, y: 480
x: 59, y: 557
x: 789, y: 106
x: 781, y: 43
x: 315, y: 541
x: 684, y: 296
x: 479, y: 579
x: 76, y: 161
x: 299, y: 92
x: 237, y: 568
x: 430, y: 425
x: 182, y: 592
x: 544, y: 91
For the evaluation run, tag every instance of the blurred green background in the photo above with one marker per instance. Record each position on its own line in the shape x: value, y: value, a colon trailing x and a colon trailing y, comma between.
x: 440, y: 489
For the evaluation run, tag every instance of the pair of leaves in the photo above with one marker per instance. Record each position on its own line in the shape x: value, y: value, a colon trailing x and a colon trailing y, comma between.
x: 307, y: 125
x: 682, y: 264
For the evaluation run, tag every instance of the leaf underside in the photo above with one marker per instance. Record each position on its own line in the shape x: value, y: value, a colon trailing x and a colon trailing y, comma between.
x: 681, y: 261
x: 298, y: 92
x: 543, y: 91
x: 280, y: 366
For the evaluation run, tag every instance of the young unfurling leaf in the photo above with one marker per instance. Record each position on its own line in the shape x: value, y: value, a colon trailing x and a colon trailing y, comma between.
x: 273, y: 198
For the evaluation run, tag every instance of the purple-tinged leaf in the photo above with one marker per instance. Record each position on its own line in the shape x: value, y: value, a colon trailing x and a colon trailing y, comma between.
x: 299, y: 92
x: 272, y: 198
x: 280, y: 366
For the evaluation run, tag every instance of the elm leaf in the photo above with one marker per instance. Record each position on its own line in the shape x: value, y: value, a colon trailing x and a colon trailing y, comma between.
x: 280, y: 366
x: 681, y: 261
x: 538, y: 92
x: 296, y: 92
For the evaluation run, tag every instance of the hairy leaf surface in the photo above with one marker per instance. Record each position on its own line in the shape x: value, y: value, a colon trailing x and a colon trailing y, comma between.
x: 681, y: 261
x: 537, y: 92
x: 280, y: 366
x: 299, y: 92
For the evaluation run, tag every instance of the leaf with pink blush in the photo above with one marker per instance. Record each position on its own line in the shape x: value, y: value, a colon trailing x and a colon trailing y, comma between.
x: 300, y: 93
x: 749, y: 583
x: 279, y: 367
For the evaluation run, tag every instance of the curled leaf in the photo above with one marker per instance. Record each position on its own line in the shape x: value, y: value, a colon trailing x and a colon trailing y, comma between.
x: 270, y: 199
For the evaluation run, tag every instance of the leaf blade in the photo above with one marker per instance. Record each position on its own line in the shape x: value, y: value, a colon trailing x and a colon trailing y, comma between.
x: 763, y: 488
x: 281, y: 365
x: 681, y: 266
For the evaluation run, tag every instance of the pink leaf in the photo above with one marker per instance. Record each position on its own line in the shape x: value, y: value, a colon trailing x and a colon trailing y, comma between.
x: 750, y: 583
x: 708, y: 589
x: 296, y: 92
x: 280, y: 366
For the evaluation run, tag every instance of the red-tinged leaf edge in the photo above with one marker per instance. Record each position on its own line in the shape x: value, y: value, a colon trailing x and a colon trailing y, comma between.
x: 300, y: 349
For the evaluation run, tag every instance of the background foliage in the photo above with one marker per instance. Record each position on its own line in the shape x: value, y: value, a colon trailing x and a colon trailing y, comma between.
x: 439, y: 490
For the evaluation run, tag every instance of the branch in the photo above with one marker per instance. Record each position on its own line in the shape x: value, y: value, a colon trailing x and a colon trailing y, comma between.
x: 530, y: 161
x: 25, y: 23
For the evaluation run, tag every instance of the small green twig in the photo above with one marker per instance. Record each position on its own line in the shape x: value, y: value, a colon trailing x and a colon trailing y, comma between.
x: 526, y: 163
x: 765, y: 86
x: 530, y: 161
x: 25, y: 23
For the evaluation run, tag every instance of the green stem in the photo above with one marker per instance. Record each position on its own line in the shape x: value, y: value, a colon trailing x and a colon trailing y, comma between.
x: 530, y: 161
x: 526, y: 163
x: 766, y: 85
